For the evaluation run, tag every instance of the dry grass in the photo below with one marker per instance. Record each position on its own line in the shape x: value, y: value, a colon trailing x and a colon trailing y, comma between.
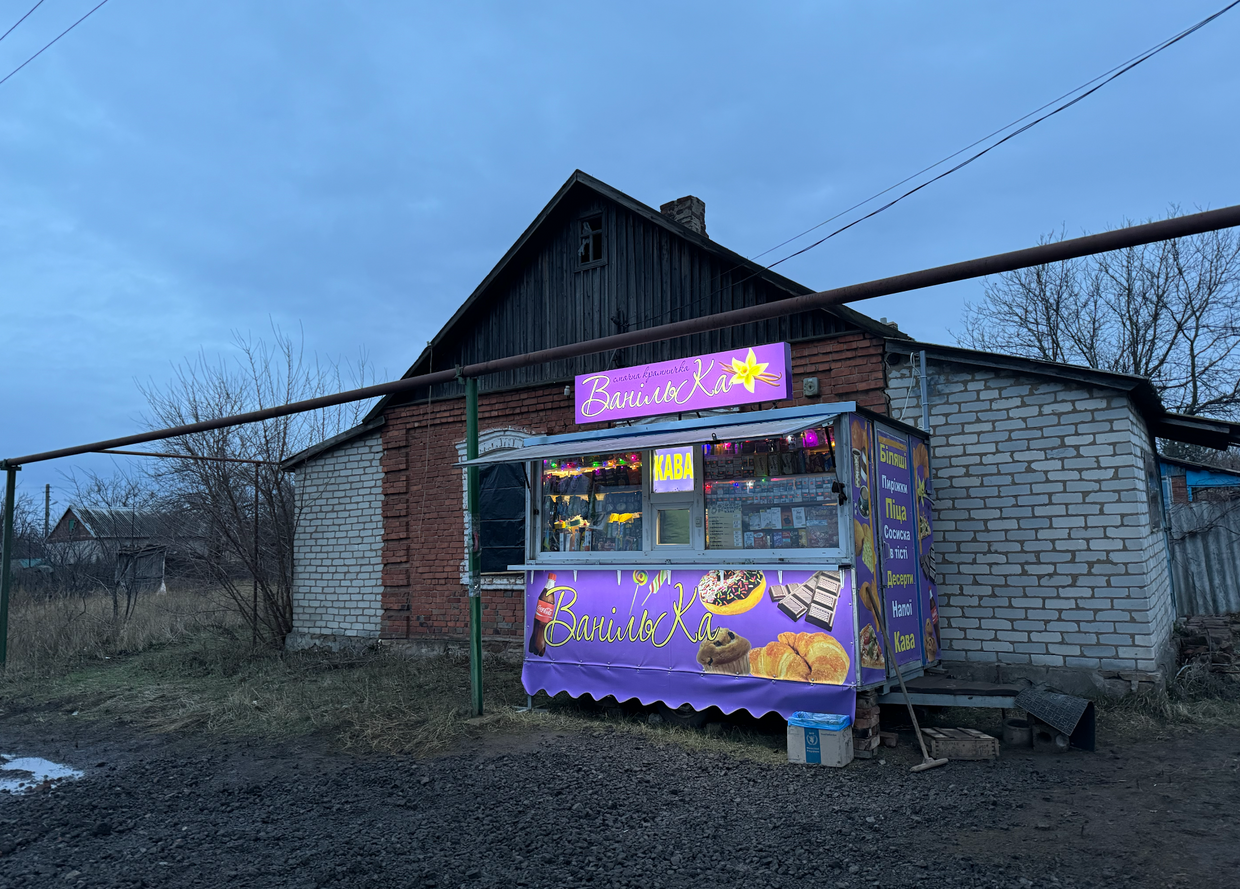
x: 49, y: 634
x: 183, y: 663
x: 212, y: 683
x: 1194, y: 698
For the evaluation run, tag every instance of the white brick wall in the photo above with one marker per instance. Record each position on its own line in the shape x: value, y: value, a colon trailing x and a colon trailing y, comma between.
x: 1050, y: 562
x: 337, y: 559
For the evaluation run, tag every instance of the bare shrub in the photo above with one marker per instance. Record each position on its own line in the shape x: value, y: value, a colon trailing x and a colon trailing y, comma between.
x: 247, y: 511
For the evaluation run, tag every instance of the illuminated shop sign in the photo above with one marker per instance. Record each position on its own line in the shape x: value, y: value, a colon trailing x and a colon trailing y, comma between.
x: 673, y: 470
x: 722, y: 379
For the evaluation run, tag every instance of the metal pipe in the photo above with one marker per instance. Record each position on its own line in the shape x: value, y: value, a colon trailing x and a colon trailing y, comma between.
x: 189, y: 457
x: 254, y: 641
x: 6, y: 560
x: 475, y: 567
x: 1133, y: 236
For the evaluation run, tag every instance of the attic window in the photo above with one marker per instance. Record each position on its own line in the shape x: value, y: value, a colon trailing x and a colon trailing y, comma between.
x: 591, y: 249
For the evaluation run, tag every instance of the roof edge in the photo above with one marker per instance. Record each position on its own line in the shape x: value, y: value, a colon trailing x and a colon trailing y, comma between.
x: 1206, y: 431
x: 332, y: 443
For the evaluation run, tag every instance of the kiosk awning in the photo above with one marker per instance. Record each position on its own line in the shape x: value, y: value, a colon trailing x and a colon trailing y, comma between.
x: 643, y: 438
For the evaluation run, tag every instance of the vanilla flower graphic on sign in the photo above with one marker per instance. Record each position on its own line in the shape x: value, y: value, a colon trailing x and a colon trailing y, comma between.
x: 748, y: 371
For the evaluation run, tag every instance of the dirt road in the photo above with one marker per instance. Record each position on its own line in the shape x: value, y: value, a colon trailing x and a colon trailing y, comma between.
x: 608, y: 808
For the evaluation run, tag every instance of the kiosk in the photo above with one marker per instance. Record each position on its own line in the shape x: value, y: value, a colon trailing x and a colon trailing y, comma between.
x: 734, y: 559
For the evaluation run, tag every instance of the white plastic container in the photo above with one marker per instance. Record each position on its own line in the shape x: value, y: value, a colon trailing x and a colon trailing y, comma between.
x: 820, y: 739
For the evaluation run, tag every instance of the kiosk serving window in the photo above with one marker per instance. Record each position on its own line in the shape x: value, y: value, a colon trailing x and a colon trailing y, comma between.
x: 772, y: 494
x: 591, y: 504
x: 754, y: 499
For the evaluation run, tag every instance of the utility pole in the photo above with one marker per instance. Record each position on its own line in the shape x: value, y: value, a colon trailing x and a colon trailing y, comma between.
x: 6, y: 558
x: 47, y: 511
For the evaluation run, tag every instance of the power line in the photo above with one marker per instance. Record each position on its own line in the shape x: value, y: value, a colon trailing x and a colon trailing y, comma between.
x: 973, y: 144
x: 1101, y: 80
x: 62, y: 34
x: 1123, y: 69
x: 20, y: 20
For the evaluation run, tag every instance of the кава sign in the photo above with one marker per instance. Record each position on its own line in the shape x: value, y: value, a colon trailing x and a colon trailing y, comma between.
x: 673, y: 470
x: 722, y: 379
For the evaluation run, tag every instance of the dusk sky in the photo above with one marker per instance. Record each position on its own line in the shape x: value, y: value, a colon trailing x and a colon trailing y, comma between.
x: 173, y: 172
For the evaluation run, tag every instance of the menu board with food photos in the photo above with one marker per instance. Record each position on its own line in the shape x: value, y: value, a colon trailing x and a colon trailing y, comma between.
x: 896, y: 524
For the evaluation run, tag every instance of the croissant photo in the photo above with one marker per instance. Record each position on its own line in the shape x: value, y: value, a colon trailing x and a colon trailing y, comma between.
x: 802, y: 657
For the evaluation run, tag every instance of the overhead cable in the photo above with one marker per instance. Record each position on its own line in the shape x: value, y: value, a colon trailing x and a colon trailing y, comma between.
x: 1091, y: 86
x: 58, y: 36
x: 20, y: 20
x: 1123, y: 69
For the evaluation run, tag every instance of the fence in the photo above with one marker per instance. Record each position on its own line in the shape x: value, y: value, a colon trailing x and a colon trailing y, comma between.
x: 1205, y: 556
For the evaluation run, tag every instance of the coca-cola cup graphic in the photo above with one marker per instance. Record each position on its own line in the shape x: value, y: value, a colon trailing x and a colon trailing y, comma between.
x: 542, y: 616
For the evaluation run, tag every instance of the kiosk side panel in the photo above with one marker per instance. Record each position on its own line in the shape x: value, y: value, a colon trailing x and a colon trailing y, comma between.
x: 871, y: 646
x: 923, y: 493
x: 757, y: 640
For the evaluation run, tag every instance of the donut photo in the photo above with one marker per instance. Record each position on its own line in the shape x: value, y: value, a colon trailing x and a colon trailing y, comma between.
x: 730, y: 592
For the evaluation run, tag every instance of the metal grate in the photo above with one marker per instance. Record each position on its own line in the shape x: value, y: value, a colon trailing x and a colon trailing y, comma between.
x: 1071, y: 715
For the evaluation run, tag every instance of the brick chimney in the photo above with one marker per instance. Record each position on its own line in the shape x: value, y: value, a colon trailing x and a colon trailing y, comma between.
x: 689, y: 212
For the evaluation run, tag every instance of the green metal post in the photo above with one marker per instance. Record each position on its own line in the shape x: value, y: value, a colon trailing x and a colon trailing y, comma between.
x: 6, y: 560
x: 475, y: 567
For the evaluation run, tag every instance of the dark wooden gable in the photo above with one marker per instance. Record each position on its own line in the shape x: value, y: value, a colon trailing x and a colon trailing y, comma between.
x: 652, y: 271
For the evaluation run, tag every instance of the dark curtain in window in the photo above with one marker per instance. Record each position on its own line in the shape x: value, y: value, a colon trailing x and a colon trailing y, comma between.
x: 501, y: 513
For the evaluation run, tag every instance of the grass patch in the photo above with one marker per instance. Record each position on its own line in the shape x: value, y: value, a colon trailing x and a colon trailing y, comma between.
x: 376, y: 701
x: 51, y: 633
x: 1195, y: 698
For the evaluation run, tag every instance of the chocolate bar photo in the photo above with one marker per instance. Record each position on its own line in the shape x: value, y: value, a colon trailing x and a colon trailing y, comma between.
x: 824, y: 591
x: 796, y: 602
x: 821, y: 611
x: 778, y: 592
x: 828, y: 581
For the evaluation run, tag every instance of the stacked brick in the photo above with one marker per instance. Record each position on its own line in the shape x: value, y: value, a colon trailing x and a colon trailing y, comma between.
x: 1210, y: 640
x: 866, y: 738
x: 336, y: 568
x: 1048, y: 531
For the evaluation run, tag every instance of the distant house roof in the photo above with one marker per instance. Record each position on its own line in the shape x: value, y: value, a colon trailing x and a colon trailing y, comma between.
x: 291, y: 464
x: 1204, y: 431
x: 87, y: 523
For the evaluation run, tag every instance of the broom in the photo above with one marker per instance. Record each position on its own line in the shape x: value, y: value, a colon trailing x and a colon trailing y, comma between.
x: 926, y: 761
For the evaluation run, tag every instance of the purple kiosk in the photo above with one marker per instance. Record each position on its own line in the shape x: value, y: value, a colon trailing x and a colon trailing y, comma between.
x: 700, y: 555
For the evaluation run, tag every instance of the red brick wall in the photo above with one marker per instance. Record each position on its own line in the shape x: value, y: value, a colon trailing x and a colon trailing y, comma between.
x: 423, y: 525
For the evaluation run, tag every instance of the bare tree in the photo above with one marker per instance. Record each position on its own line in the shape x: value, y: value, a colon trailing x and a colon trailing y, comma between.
x: 1168, y: 311
x: 122, y: 505
x: 247, y: 512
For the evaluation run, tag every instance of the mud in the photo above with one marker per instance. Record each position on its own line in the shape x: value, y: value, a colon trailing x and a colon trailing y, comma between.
x: 607, y: 808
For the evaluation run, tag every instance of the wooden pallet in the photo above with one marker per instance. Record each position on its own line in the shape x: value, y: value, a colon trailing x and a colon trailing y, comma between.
x: 960, y: 743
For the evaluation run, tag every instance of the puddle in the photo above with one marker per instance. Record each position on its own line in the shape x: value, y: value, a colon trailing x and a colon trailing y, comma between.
x: 22, y: 774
